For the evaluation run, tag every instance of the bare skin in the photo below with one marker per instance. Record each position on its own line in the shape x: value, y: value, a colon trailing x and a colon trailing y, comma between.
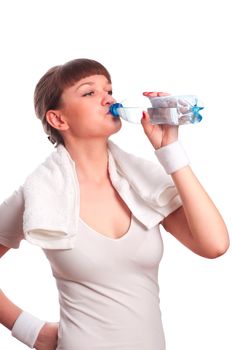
x: 114, y: 214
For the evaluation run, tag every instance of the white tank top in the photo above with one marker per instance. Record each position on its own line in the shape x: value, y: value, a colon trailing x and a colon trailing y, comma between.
x: 108, y: 290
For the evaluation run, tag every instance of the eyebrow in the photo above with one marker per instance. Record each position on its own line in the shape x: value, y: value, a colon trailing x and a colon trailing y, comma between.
x: 89, y: 83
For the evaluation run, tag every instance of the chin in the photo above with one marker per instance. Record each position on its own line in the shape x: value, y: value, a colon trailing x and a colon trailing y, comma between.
x: 117, y: 126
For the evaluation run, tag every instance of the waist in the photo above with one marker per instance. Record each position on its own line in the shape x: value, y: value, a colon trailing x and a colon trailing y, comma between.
x: 96, y: 335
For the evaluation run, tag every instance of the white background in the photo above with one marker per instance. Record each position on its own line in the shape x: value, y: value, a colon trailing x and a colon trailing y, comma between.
x: 183, y: 47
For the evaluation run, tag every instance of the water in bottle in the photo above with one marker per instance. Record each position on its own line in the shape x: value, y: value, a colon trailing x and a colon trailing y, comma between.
x: 172, y: 110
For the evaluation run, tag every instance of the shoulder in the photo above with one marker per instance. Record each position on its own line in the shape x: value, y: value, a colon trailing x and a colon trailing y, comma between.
x: 15, y: 199
x: 11, y: 219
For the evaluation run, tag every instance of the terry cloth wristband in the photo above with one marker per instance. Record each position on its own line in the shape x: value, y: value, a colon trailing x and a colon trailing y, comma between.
x: 26, y: 328
x: 172, y: 157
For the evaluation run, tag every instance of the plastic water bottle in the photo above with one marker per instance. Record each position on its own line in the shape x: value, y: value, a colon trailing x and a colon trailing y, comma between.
x: 172, y: 110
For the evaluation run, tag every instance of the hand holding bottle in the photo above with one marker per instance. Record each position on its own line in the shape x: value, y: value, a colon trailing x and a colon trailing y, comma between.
x: 158, y: 134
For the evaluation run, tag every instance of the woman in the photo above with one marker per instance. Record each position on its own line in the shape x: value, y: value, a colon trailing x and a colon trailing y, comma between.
x: 106, y: 260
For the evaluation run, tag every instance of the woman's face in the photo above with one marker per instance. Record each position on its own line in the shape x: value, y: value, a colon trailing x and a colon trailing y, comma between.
x: 85, y: 107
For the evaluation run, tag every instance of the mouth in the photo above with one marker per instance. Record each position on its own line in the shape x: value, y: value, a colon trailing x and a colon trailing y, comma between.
x: 111, y: 117
x: 111, y: 114
x: 108, y: 111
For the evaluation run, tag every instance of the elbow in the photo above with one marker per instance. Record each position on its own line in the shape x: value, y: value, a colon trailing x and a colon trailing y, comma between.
x: 218, y: 250
x: 216, y: 242
x: 215, y: 254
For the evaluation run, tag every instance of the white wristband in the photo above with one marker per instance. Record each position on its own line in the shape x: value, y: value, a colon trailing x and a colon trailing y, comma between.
x: 26, y: 328
x: 172, y: 157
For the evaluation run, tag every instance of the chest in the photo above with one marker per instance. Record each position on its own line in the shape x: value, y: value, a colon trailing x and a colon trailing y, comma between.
x: 102, y: 208
x: 100, y: 260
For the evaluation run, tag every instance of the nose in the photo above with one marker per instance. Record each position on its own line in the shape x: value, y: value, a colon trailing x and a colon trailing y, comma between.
x: 108, y: 99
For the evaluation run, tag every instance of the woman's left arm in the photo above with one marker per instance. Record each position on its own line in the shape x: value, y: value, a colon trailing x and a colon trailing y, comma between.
x: 197, y: 224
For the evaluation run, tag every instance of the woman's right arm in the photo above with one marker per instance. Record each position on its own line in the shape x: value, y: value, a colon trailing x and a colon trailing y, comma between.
x: 9, y: 312
x: 11, y: 233
x: 3, y: 250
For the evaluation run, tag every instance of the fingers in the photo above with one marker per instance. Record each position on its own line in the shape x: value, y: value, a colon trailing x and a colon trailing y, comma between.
x: 145, y: 122
x: 150, y: 94
x: 163, y: 94
x: 155, y: 94
x: 145, y: 117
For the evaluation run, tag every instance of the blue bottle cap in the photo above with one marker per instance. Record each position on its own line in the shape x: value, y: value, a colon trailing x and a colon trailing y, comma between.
x: 114, y: 109
x: 196, y: 115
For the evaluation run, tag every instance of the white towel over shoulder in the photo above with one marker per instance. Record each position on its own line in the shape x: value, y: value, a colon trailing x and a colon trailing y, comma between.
x: 52, y: 195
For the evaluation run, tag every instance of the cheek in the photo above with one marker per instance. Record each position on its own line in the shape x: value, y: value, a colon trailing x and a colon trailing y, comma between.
x: 75, y: 115
x: 81, y: 124
x: 82, y: 112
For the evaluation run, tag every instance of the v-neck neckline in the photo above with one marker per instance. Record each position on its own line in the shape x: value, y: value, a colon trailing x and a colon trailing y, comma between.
x: 102, y: 235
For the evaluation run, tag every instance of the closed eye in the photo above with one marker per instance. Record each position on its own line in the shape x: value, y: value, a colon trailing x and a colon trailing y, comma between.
x: 110, y: 92
x: 89, y: 93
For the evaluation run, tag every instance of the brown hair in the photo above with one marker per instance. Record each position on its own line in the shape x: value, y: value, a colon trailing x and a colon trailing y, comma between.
x: 50, y: 87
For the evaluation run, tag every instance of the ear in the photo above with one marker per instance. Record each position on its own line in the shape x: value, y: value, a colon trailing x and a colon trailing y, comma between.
x: 56, y: 120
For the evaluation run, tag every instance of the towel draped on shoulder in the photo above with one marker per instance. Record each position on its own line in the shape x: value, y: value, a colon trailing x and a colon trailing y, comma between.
x: 52, y: 195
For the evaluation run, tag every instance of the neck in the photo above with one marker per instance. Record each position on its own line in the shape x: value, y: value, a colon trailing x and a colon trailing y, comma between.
x: 91, y: 159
